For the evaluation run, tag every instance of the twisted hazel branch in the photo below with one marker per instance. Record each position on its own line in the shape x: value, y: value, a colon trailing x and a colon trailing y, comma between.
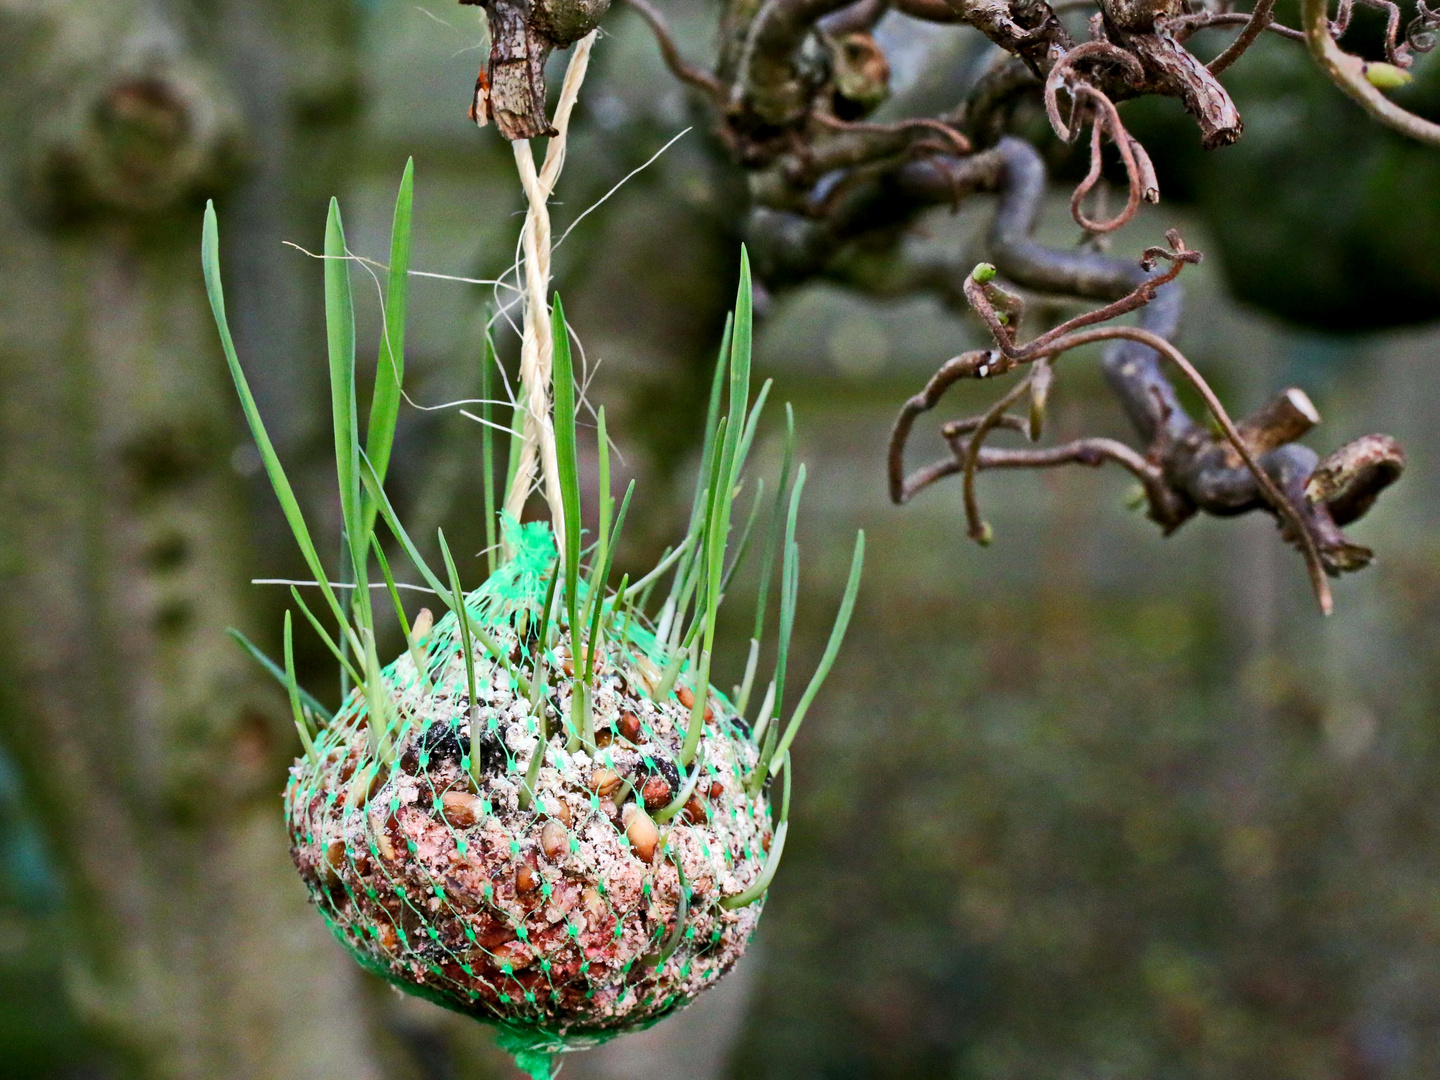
x: 1349, y: 74
x: 1319, y: 581
x: 1253, y: 464
x: 670, y: 53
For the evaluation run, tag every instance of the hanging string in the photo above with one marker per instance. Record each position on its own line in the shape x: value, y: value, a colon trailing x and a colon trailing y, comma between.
x: 537, y: 348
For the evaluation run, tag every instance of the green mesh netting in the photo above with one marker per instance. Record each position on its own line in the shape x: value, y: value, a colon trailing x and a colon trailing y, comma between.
x: 568, y: 912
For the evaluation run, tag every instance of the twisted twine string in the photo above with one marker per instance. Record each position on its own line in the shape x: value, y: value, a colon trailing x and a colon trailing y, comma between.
x: 537, y: 346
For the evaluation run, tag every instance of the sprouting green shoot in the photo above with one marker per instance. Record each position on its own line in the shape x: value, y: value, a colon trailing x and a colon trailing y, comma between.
x: 832, y: 647
x: 772, y: 863
x: 767, y: 712
x: 462, y: 618
x: 390, y: 367
x: 568, y: 467
x: 643, y: 584
x: 387, y: 512
x: 789, y: 587
x: 620, y: 606
x: 752, y: 422
x: 596, y: 601
x: 758, y: 775
x: 606, y: 503
x: 306, y: 739
x: 311, y: 703
x: 545, y: 611
x: 422, y: 669
x: 722, y: 497
x: 744, y: 545
x: 682, y: 915
x: 379, y: 707
x: 566, y: 459
x: 675, y: 805
x: 752, y: 664
x: 340, y: 336
x: 488, y: 363
x: 324, y: 636
x: 210, y: 264
x: 772, y: 534
x: 538, y: 692
x: 712, y: 420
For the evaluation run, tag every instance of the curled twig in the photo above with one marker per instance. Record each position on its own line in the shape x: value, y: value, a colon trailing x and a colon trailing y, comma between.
x: 1260, y: 18
x: 1107, y: 117
x: 966, y: 365
x: 1348, y: 73
x: 978, y: 527
x: 1064, y: 67
x: 1421, y: 34
x: 958, y: 142
x: 1178, y: 255
x: 683, y: 71
x: 1277, y: 498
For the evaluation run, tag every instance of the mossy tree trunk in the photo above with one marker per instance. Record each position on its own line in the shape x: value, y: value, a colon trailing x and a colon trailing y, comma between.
x: 154, y: 752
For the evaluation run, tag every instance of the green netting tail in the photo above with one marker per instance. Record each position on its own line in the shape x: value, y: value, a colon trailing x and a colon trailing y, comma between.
x: 532, y: 1059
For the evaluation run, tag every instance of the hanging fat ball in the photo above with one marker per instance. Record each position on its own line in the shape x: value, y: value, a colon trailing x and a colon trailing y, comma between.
x: 542, y: 814
x: 581, y: 892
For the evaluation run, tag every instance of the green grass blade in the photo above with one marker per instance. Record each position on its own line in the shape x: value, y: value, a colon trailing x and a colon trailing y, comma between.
x: 422, y: 669
x: 210, y: 263
x: 658, y: 572
x: 740, y: 347
x: 517, y: 440
x: 293, y: 690
x: 682, y: 916
x: 772, y: 534
x: 767, y: 875
x: 340, y: 337
x: 390, y: 368
x: 789, y: 588
x: 744, y: 545
x: 606, y: 506
x: 461, y: 617
x: 832, y: 648
x: 712, y: 420
x: 564, y: 382
x: 340, y: 654
x: 387, y: 512
x: 545, y: 611
x: 277, y: 672
x: 487, y: 447
x: 752, y: 422
x: 382, y: 501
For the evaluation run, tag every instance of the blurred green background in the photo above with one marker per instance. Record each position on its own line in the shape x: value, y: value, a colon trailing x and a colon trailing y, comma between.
x: 1088, y: 804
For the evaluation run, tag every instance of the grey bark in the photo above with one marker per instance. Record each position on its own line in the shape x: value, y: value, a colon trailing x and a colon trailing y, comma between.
x: 154, y: 753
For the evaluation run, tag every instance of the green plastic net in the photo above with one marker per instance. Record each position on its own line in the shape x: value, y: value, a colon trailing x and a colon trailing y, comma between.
x: 566, y: 900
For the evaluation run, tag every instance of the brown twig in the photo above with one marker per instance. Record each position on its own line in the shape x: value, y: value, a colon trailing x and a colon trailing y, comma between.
x: 1348, y: 73
x: 958, y: 142
x: 952, y: 371
x: 670, y: 52
x: 978, y: 528
x: 1179, y: 256
x: 1055, y: 80
x: 1106, y: 117
x: 1260, y: 18
x: 1278, y: 499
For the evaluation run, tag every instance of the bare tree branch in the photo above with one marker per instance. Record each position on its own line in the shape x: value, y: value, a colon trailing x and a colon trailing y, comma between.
x: 1349, y: 74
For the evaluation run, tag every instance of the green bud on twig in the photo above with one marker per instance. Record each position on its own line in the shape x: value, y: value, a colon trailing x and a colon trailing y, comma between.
x: 1387, y: 76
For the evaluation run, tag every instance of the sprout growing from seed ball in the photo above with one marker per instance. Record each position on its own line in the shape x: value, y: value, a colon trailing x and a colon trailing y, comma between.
x: 541, y: 814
